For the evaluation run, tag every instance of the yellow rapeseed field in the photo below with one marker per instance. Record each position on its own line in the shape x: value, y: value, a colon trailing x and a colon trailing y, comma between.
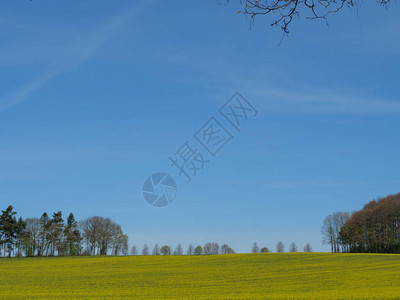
x: 237, y: 276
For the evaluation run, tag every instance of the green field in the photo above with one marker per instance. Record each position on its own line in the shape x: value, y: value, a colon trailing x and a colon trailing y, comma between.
x: 237, y: 276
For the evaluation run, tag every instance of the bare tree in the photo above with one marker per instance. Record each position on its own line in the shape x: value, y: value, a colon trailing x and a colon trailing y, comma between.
x: 156, y: 250
x: 145, y: 250
x: 102, y: 234
x: 255, y: 248
x: 119, y: 241
x: 89, y: 235
x: 107, y: 232
x: 207, y: 249
x: 134, y: 250
x: 339, y: 220
x: 284, y: 11
x: 178, y: 250
x: 31, y: 241
x: 210, y: 248
x: 190, y: 250
x: 280, y: 247
x: 328, y: 232
x: 331, y: 228
x: 292, y: 247
x: 307, y: 248
x: 225, y: 249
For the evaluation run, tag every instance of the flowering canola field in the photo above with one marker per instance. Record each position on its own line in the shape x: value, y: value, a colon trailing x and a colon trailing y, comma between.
x: 234, y: 276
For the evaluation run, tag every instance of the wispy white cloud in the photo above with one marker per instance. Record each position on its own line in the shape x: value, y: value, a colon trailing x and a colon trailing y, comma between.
x: 296, y: 184
x: 263, y: 84
x: 322, y: 101
x: 213, y: 63
x: 73, y: 55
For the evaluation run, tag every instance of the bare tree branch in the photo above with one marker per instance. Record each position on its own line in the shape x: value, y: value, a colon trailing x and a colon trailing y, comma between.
x: 284, y: 11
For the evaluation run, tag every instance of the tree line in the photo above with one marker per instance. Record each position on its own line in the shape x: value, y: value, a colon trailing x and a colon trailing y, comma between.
x: 53, y: 236
x: 207, y: 249
x: 50, y: 236
x: 280, y: 247
x: 210, y: 249
x: 373, y: 229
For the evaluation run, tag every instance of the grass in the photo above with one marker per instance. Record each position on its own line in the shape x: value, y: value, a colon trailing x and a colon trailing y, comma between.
x: 238, y: 276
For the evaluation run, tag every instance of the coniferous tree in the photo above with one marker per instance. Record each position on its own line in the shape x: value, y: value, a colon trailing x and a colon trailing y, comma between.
x: 43, y: 234
x: 8, y: 230
x: 72, y: 236
x: 55, y: 234
x: 20, y: 233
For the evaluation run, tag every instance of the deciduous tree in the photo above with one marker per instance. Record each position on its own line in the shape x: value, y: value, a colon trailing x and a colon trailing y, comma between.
x: 255, y: 248
x: 198, y: 250
x: 283, y: 12
x: 307, y: 248
x: 292, y: 247
x: 156, y: 250
x: 280, y: 247
x: 210, y: 248
x: 134, y: 250
x: 190, y: 250
x: 225, y: 249
x: 178, y: 250
x: 165, y: 250
x: 145, y: 250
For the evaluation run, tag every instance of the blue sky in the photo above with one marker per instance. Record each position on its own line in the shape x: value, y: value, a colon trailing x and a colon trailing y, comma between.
x: 97, y: 95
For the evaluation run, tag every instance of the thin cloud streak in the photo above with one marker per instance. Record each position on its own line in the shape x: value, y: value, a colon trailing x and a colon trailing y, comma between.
x: 317, y: 101
x: 295, y: 98
x: 75, y: 54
